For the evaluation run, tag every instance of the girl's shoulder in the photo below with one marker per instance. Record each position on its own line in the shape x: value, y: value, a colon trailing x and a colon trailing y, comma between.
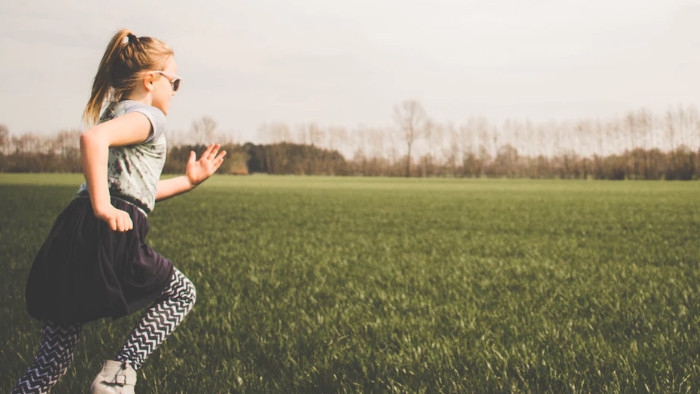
x: 117, y: 109
x: 155, y: 116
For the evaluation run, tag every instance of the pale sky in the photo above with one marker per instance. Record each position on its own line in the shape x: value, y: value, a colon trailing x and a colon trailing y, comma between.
x: 246, y: 63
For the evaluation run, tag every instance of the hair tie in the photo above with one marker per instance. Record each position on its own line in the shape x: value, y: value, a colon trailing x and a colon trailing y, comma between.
x: 130, y: 37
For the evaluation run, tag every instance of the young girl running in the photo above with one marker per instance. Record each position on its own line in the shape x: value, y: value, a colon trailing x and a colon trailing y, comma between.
x: 95, y: 262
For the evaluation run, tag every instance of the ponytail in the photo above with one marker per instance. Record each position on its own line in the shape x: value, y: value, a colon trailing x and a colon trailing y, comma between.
x: 124, y: 59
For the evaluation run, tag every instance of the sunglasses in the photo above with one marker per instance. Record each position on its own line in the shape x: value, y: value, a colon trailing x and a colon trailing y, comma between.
x: 174, y: 79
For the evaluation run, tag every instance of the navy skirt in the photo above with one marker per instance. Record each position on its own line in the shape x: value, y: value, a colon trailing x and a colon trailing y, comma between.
x: 85, y: 271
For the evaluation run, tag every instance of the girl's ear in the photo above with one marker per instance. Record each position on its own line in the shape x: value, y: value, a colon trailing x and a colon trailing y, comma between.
x: 148, y: 80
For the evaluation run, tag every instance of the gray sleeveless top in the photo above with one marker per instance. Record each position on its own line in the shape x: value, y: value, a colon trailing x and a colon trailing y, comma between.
x: 134, y: 170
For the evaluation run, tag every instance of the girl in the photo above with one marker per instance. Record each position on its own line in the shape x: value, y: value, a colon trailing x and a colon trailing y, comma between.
x: 95, y: 262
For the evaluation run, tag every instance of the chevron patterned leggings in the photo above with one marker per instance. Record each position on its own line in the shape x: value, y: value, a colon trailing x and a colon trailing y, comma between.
x: 58, y: 340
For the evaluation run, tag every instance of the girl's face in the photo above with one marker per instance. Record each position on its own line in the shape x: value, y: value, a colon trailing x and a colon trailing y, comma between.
x: 162, y: 87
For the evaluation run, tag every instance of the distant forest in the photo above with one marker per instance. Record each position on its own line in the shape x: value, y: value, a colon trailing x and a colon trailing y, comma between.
x: 637, y: 146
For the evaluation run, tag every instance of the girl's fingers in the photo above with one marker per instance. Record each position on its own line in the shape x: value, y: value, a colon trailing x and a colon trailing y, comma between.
x: 208, y: 151
x: 212, y: 154
x: 220, y: 159
x: 117, y: 220
x: 121, y: 222
x: 127, y: 222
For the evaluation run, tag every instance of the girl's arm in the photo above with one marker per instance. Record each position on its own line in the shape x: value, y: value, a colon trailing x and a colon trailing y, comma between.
x: 197, y: 172
x: 132, y: 128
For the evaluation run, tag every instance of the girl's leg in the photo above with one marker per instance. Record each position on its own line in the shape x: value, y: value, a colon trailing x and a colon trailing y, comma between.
x: 159, y: 321
x: 55, y: 354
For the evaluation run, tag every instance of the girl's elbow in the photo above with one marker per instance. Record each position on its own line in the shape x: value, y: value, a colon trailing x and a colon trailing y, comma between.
x: 84, y: 140
x: 89, y: 138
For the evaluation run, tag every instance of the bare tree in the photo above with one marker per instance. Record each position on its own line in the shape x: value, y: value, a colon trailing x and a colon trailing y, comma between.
x: 203, y: 130
x: 28, y: 143
x: 316, y: 134
x: 338, y: 138
x: 280, y: 132
x: 412, y: 122
x: 67, y: 144
x: 4, y: 139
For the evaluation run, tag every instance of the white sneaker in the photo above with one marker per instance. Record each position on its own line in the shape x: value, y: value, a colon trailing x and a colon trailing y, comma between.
x: 116, y: 377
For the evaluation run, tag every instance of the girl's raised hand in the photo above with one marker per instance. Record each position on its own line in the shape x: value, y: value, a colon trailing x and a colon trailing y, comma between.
x: 210, y: 161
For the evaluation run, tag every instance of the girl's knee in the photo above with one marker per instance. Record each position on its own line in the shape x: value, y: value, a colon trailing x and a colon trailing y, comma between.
x: 186, y: 290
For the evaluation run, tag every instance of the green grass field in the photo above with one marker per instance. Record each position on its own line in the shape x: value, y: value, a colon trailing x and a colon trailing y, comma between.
x: 320, y: 284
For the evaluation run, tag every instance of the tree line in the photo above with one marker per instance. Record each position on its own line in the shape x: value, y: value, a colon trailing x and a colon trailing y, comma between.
x: 639, y: 145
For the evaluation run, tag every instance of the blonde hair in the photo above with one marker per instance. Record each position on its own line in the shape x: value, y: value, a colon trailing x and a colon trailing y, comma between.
x: 125, y: 58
